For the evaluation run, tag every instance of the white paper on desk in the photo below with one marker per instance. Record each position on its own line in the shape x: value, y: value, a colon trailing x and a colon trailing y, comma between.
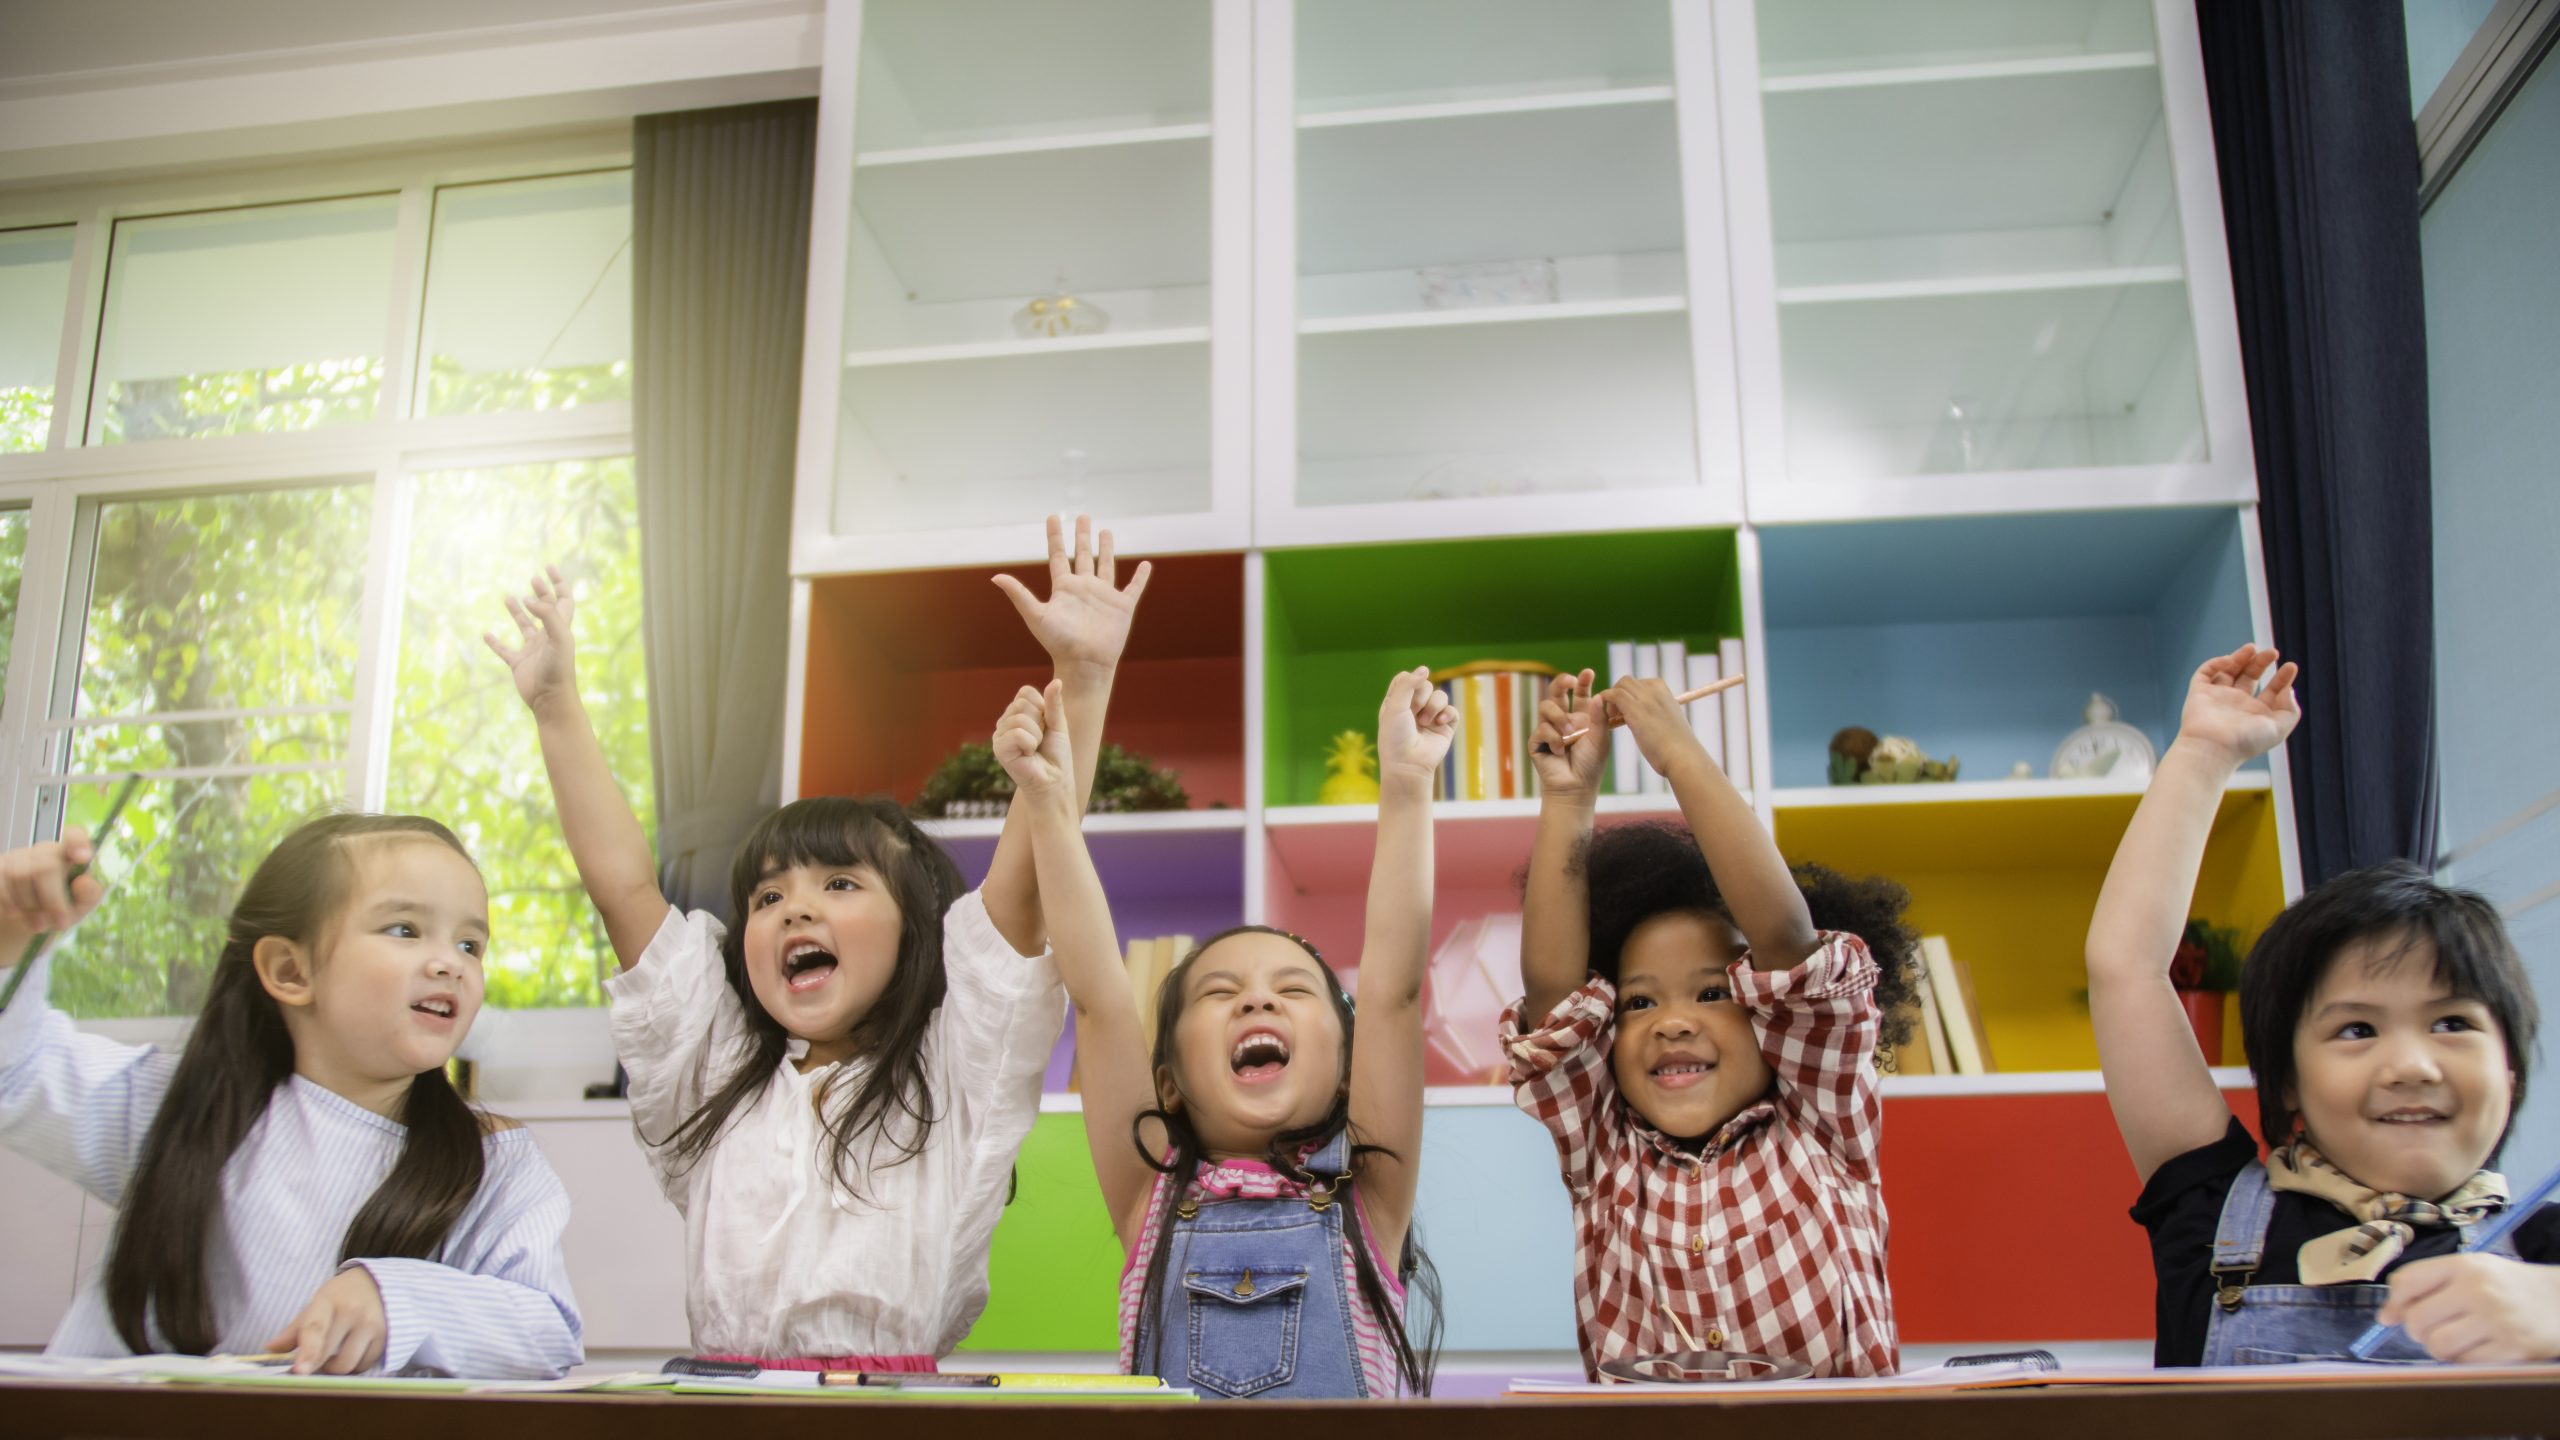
x: 1934, y: 1377
x: 132, y: 1367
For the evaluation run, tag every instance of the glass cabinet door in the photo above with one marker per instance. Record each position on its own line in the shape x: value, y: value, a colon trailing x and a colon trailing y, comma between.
x: 1027, y: 282
x: 1978, y: 252
x: 1491, y: 289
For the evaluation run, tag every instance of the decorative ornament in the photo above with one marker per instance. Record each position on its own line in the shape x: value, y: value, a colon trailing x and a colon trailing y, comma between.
x: 1059, y: 313
x: 1351, y: 771
x: 1849, y: 751
x: 2105, y: 746
x: 1860, y: 757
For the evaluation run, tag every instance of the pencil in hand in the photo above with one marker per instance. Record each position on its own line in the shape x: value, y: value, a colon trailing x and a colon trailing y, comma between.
x: 1684, y: 698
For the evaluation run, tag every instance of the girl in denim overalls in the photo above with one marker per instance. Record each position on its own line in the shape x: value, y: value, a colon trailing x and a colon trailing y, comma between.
x: 1266, y: 1206
x: 2389, y: 1024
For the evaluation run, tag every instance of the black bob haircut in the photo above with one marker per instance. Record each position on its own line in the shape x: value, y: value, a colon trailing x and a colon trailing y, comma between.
x: 1645, y: 869
x: 2474, y: 959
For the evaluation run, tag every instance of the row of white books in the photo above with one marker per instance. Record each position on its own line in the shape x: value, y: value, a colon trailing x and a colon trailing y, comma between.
x: 1722, y: 722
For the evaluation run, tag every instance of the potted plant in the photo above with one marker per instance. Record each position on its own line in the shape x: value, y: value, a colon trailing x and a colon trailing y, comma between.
x: 2205, y: 968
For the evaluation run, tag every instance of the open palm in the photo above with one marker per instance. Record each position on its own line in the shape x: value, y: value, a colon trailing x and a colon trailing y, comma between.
x: 1085, y: 620
x: 2240, y: 705
x: 544, y: 664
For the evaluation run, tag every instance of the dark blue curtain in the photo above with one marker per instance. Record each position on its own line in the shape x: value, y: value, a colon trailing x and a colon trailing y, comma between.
x: 2319, y: 162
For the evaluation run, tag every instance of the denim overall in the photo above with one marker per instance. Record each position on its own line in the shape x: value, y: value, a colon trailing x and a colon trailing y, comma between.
x: 1251, y: 1299
x: 2280, y: 1324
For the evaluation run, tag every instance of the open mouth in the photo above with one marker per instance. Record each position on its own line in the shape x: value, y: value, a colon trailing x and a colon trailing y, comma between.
x: 439, y: 1008
x: 806, y: 965
x: 1681, y: 1071
x: 1259, y: 1056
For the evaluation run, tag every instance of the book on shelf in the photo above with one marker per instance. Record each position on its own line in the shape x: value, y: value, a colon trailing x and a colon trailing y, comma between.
x: 1737, y: 715
x: 1706, y: 721
x: 1933, y: 1026
x: 1913, y: 1056
x: 1648, y: 667
x: 1496, y: 702
x: 1626, y: 773
x: 1958, y: 1014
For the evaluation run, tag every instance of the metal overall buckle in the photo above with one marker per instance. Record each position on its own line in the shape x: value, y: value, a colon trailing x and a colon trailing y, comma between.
x: 2227, y: 1292
x: 1320, y: 1197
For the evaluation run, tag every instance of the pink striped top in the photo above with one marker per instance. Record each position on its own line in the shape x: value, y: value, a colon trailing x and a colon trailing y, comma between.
x: 1255, y: 1180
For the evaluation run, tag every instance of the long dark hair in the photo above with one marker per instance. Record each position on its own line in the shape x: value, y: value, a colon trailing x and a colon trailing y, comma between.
x: 237, y: 1055
x: 1416, y: 1364
x: 842, y: 831
x: 2402, y: 904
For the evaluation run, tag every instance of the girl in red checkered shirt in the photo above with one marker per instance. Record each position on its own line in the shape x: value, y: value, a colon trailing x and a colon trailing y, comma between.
x: 1699, y: 1036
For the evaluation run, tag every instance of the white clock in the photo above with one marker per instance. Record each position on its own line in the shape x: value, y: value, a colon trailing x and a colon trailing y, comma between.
x: 2105, y: 747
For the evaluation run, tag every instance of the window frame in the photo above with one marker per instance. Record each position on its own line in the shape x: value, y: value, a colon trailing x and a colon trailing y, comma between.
x: 63, y: 486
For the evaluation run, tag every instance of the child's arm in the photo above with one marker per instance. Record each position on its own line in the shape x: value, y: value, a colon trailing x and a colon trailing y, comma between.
x: 2161, y: 1089
x: 1034, y: 742
x: 1414, y: 727
x: 2478, y: 1309
x: 1555, y: 906
x: 1084, y: 625
x: 1759, y: 892
x: 612, y: 851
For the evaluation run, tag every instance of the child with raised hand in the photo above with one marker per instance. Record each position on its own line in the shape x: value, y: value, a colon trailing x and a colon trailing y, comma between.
x: 2391, y: 1029
x: 1699, y: 1036
x: 300, y: 1178
x: 1258, y: 1164
x: 833, y: 1088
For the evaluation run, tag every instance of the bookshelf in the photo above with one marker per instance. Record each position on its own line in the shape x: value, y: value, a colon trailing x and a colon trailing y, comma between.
x: 1892, y: 337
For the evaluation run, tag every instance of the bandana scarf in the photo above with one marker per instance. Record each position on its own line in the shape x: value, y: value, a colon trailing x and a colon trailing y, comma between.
x: 2386, y: 1222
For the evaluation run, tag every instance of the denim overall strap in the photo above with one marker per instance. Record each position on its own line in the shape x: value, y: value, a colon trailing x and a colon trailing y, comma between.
x: 1251, y: 1301
x: 2277, y: 1324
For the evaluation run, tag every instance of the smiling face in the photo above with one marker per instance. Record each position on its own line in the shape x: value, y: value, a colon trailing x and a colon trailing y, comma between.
x: 1257, y: 1047
x: 821, y: 943
x: 2399, y: 1082
x: 1686, y: 1058
x: 396, y: 979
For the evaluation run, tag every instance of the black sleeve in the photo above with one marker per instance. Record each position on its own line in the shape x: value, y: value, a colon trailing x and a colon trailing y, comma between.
x: 2181, y: 1207
x: 2538, y: 1238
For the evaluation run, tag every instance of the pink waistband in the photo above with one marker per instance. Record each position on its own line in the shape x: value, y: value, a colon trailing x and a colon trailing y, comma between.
x: 877, y: 1364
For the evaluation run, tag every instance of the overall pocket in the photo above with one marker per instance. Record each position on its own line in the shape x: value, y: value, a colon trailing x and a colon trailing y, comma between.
x: 1244, y: 1327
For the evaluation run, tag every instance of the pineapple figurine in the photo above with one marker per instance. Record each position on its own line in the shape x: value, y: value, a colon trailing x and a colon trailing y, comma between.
x: 1351, y: 771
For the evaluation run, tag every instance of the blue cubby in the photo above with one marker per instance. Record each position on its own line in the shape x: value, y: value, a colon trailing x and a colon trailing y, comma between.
x: 1983, y: 637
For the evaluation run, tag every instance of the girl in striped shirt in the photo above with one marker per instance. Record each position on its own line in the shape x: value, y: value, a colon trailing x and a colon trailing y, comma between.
x: 301, y: 1177
x: 1259, y: 1166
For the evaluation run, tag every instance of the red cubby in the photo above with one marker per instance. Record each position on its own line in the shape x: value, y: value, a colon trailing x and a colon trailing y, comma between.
x: 905, y: 667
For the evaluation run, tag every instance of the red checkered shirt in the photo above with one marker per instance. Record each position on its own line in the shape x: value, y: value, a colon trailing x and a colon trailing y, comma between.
x: 1771, y: 1239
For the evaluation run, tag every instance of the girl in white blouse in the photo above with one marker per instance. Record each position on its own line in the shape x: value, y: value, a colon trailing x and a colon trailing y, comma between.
x: 301, y: 1177
x: 833, y: 1092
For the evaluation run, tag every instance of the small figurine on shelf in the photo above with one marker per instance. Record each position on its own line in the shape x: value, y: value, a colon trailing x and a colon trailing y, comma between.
x: 1059, y: 314
x: 1350, y: 771
x: 2204, y: 968
x: 1860, y: 757
x: 2105, y: 746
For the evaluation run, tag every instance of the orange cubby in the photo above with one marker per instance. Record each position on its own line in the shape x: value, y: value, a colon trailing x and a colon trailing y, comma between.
x: 905, y: 667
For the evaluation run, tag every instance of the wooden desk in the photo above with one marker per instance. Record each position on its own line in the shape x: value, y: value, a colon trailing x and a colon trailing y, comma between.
x: 2431, y: 1405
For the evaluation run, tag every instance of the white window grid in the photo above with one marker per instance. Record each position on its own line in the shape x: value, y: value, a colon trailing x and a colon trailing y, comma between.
x: 62, y: 487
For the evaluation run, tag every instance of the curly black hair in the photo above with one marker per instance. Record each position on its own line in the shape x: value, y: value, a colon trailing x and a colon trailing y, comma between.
x: 1641, y: 870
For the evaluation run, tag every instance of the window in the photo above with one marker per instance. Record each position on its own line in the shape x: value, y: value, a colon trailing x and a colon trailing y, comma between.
x: 35, y: 284
x: 217, y: 655
x: 529, y: 295
x: 13, y: 568
x: 463, y: 747
x: 230, y: 321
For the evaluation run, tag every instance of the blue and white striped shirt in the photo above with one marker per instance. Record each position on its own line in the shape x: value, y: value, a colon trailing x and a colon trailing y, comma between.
x: 494, y: 1305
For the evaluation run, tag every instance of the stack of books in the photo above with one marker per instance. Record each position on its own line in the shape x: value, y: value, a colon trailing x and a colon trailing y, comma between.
x: 1722, y: 723
x: 1948, y: 1038
x: 1497, y: 705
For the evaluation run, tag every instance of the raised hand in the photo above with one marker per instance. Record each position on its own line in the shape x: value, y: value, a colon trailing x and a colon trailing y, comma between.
x: 1085, y: 620
x: 1568, y: 768
x: 1031, y: 740
x: 341, y: 1331
x: 545, y: 663
x: 1660, y: 726
x: 1415, y: 724
x: 36, y: 892
x: 2239, y: 706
